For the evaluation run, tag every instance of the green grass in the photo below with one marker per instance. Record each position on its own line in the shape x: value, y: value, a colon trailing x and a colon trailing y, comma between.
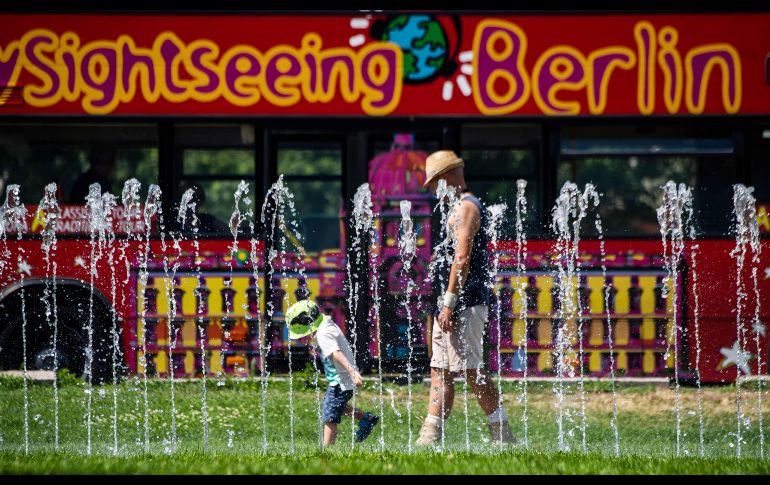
x: 379, y: 463
x: 646, y: 425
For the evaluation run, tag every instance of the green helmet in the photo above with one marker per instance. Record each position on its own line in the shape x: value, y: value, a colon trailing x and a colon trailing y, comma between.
x: 303, y: 318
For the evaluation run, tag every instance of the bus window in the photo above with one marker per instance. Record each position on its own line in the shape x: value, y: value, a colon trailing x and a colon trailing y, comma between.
x: 213, y: 160
x: 74, y: 155
x: 629, y: 167
x: 312, y: 170
x: 496, y: 156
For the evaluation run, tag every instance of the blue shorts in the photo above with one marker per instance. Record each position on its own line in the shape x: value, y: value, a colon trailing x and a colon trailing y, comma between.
x: 334, y: 403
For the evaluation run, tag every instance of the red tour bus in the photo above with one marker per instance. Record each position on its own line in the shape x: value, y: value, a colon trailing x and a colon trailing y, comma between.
x: 332, y: 101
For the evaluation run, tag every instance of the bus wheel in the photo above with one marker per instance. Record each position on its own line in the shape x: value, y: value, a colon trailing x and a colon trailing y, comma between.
x: 71, y: 342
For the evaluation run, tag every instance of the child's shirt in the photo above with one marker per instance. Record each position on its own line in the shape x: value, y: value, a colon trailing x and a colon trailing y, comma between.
x: 330, y: 338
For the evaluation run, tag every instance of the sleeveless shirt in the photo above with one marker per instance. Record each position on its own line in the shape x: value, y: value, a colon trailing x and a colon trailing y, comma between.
x: 475, y: 290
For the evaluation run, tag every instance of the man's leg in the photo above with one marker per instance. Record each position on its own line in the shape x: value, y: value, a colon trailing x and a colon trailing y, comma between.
x: 473, y: 320
x: 442, y: 393
x: 484, y: 390
x: 330, y: 433
x: 442, y: 389
x: 489, y: 400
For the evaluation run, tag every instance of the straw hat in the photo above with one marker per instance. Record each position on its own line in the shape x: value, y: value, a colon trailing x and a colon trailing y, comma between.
x: 440, y: 162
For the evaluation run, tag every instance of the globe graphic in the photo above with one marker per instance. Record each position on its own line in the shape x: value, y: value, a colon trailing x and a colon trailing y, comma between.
x: 423, y: 42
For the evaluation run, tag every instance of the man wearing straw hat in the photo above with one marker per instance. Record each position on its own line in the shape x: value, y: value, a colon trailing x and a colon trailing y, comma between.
x: 458, y: 328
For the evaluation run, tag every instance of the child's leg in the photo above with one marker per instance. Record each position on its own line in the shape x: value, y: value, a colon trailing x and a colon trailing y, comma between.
x: 348, y: 411
x: 330, y: 433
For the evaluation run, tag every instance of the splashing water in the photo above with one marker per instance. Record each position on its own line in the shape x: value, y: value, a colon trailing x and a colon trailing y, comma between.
x: 672, y: 217
x: 99, y: 208
x: 364, y: 217
x: 173, y: 310
x: 151, y: 207
x: 284, y: 219
x: 746, y: 236
x: 407, y: 246
x: 260, y: 325
x: 109, y: 203
x: 521, y: 286
x: 363, y: 225
x: 758, y: 329
x: 13, y: 216
x: 319, y: 416
x: 188, y: 204
x: 675, y: 229
x: 569, y: 211
x: 606, y: 288
x: 694, y: 256
x: 444, y: 251
x: 272, y: 254
x: 393, y: 404
x: 110, y: 245
x: 496, y: 216
x: 354, y: 286
x: 236, y: 219
x: 51, y: 213
x: 154, y: 202
x: 131, y: 206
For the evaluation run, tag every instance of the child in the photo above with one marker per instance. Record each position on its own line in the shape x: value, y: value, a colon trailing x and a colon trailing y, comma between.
x: 305, y: 318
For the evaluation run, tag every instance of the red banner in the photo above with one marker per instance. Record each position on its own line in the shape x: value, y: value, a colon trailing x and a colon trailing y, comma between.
x: 74, y: 219
x: 405, y: 64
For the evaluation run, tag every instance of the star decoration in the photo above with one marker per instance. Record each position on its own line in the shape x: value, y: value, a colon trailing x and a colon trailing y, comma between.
x: 735, y: 356
x: 24, y: 267
x: 80, y: 262
x: 759, y: 328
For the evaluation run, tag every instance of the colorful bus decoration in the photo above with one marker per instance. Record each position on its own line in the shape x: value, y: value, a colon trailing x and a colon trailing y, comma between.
x: 383, y: 91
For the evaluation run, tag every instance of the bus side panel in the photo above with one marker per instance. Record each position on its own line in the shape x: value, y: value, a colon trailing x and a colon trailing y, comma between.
x: 717, y: 302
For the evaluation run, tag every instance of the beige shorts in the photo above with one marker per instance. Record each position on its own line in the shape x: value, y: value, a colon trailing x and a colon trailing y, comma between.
x: 466, y: 346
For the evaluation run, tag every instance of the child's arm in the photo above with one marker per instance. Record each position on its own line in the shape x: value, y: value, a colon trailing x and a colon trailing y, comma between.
x: 343, y: 361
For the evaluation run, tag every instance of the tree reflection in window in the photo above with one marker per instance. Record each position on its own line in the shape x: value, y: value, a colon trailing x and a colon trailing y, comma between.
x: 313, y: 173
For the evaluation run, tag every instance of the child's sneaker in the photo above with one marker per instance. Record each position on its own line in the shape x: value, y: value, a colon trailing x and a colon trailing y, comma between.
x: 365, y: 426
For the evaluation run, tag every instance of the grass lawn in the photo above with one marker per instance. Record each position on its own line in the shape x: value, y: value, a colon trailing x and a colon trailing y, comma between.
x: 646, y: 426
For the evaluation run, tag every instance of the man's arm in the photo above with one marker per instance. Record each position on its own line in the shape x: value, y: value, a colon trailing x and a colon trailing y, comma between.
x: 465, y: 227
x: 344, y: 362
